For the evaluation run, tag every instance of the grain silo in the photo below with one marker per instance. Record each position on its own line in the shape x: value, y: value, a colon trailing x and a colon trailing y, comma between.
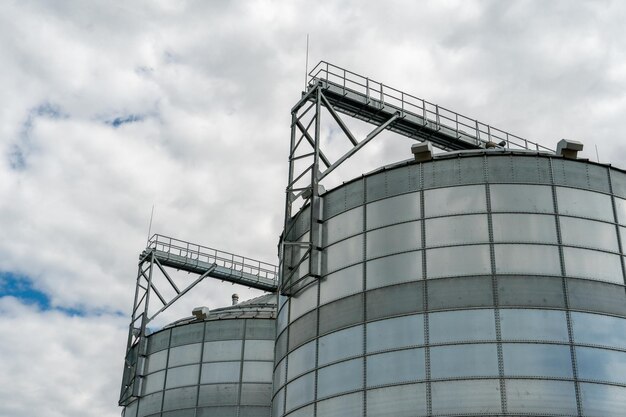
x: 484, y: 280
x: 220, y: 364
x: 214, y: 363
x: 477, y: 283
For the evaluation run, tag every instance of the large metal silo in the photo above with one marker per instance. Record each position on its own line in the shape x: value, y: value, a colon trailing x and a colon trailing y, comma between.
x: 217, y: 366
x: 487, y: 282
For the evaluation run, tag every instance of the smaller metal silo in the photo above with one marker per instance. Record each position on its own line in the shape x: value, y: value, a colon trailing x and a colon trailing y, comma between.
x: 218, y: 365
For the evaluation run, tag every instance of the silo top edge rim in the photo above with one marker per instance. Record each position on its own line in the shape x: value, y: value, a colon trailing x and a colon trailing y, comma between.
x: 470, y: 153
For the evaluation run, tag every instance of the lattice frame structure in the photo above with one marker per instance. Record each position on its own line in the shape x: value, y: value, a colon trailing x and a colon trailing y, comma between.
x: 163, y: 253
x: 341, y: 91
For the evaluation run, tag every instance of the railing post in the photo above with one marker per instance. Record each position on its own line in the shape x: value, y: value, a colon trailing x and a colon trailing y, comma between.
x: 437, y: 116
x: 382, y: 96
x: 477, y: 133
x: 344, y: 82
x: 424, y: 112
x: 402, y: 102
x: 367, y: 91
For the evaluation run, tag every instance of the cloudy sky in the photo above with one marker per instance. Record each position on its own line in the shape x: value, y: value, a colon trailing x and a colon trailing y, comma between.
x: 109, y: 108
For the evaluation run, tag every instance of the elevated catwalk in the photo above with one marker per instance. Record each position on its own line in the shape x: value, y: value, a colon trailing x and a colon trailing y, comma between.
x: 368, y: 100
x: 161, y: 253
x: 218, y: 264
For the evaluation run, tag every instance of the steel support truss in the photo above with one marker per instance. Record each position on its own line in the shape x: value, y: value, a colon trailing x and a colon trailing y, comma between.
x: 301, y: 257
x: 136, y: 347
x: 162, y: 253
x: 341, y: 91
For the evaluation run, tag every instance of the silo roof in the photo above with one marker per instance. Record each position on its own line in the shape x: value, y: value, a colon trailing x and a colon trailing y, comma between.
x: 262, y: 307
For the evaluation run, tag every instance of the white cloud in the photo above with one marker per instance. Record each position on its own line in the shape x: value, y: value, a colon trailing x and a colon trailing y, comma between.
x: 212, y: 84
x: 56, y: 365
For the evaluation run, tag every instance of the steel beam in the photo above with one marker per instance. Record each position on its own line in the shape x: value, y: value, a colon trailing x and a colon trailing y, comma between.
x: 165, y: 252
x: 340, y: 122
x: 360, y: 145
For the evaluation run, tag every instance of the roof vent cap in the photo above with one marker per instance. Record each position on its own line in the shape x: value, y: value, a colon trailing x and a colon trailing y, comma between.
x: 568, y: 148
x: 235, y: 299
x: 200, y: 313
x: 422, y: 152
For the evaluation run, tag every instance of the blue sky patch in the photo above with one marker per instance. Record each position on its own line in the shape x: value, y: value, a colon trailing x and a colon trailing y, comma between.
x: 121, y: 120
x: 19, y: 150
x: 21, y: 287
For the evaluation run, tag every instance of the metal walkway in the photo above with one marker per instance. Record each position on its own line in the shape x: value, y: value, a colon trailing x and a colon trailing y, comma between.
x: 226, y: 266
x: 371, y: 101
x: 338, y: 90
x: 165, y: 252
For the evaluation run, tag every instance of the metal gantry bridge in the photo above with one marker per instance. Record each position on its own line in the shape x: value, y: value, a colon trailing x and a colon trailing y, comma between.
x: 161, y: 253
x: 340, y: 91
x: 371, y: 101
x: 214, y: 263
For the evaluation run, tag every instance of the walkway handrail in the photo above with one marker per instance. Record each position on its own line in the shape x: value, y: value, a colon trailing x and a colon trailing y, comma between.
x: 195, y: 252
x: 379, y: 94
